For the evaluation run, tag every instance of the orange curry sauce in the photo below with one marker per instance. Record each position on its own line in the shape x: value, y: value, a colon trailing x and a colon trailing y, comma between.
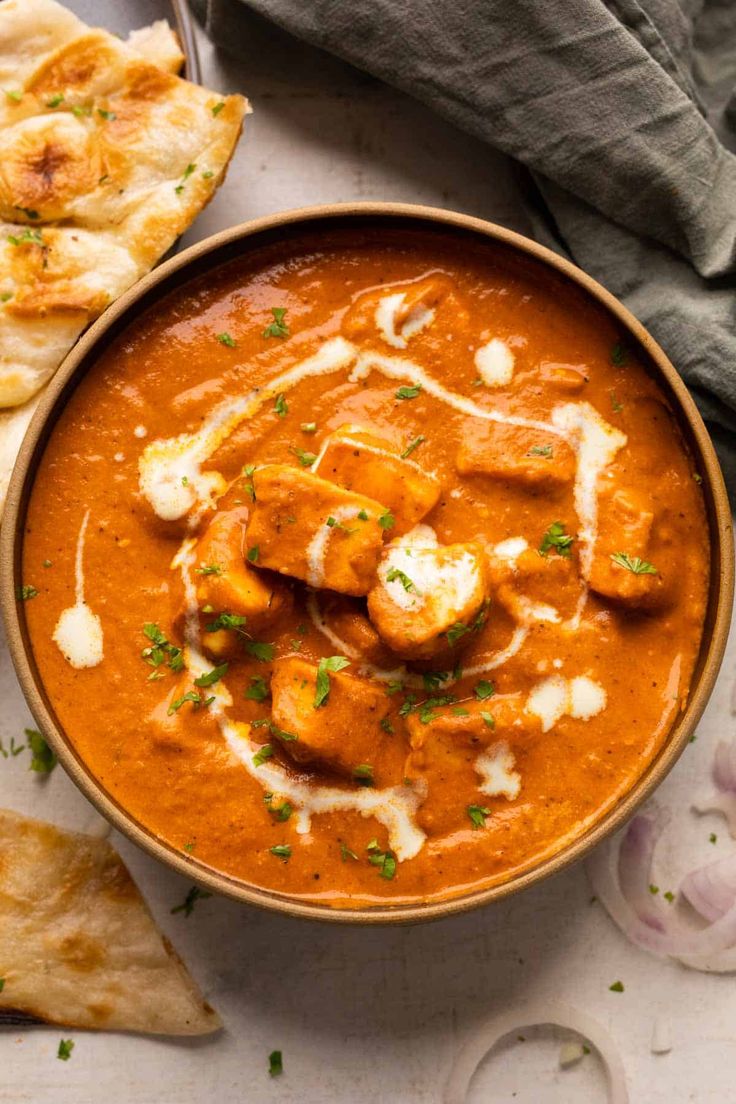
x: 490, y: 700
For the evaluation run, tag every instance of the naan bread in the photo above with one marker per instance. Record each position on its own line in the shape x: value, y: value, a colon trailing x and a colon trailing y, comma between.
x: 78, y: 946
x: 106, y: 157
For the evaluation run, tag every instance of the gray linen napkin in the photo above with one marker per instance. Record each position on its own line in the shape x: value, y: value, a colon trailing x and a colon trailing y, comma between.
x: 623, y: 112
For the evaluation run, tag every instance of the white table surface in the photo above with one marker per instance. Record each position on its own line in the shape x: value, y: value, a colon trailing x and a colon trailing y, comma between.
x: 377, y: 1015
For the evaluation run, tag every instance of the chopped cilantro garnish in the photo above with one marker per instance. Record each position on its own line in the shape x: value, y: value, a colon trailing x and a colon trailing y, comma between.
x: 405, y: 581
x: 281, y: 851
x: 262, y: 652
x: 455, y: 632
x: 616, y: 406
x: 653, y: 888
x: 617, y: 987
x: 484, y: 689
x: 185, y: 176
x: 66, y: 1046
x: 306, y: 459
x: 619, y: 355
x: 426, y: 708
x: 190, y: 696
x: 28, y: 212
x: 275, y: 1059
x: 226, y: 621
x: 346, y: 853
x: 282, y: 733
x: 218, y: 108
x: 253, y: 554
x: 488, y: 718
x: 409, y: 392
x: 713, y: 837
x: 387, y: 726
x: 363, y: 774
x: 333, y: 523
x: 43, y: 759
x: 281, y: 407
x: 387, y: 520
x: 308, y: 427
x: 478, y: 814
x: 541, y: 450
x: 195, y: 894
x: 394, y: 687
x: 213, y: 676
x: 407, y: 705
x: 226, y: 339
x: 26, y: 591
x: 433, y: 679
x: 13, y: 95
x: 282, y: 812
x: 384, y: 860
x: 29, y: 236
x: 669, y: 896
x: 413, y: 445
x: 55, y: 100
x: 277, y: 328
x: 633, y: 564
x: 209, y: 569
x: 262, y: 754
x: 556, y: 538
x: 110, y: 116
x: 258, y: 689
x: 322, y: 690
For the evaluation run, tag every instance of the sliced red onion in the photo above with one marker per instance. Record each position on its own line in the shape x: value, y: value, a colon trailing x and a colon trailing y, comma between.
x: 723, y: 800
x: 711, y: 889
x: 655, y: 928
x: 536, y: 1014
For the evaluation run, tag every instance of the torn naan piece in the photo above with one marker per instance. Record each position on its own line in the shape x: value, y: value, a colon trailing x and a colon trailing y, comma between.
x: 106, y: 157
x: 78, y: 946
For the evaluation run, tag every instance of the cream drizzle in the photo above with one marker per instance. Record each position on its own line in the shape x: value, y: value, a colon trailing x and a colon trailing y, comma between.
x: 393, y: 807
x: 78, y: 632
x: 317, y: 547
x: 387, y: 309
x: 555, y: 697
x: 496, y: 768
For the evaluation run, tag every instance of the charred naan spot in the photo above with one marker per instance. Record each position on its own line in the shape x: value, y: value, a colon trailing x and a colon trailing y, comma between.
x: 81, y: 952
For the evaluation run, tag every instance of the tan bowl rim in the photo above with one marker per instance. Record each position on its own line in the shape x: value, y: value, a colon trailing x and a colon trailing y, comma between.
x: 722, y: 565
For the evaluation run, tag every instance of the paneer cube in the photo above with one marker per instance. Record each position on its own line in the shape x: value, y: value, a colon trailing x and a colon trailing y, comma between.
x: 361, y: 461
x: 343, y: 735
x: 227, y: 584
x: 399, y: 312
x: 624, y: 529
x: 425, y: 591
x: 307, y: 527
x: 344, y: 617
x: 525, y: 456
x: 531, y: 587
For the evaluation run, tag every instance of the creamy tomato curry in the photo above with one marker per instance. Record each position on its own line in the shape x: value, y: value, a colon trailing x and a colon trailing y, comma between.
x: 369, y: 568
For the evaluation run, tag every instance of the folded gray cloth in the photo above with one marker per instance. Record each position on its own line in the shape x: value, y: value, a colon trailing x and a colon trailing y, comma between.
x: 623, y: 113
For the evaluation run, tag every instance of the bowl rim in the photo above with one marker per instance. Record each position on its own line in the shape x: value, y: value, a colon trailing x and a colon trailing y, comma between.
x: 286, y: 224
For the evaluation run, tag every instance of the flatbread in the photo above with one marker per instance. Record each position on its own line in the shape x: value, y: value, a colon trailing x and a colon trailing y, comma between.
x: 78, y: 946
x: 106, y: 157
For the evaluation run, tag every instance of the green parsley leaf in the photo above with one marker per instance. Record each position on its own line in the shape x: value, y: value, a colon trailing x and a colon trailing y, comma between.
x: 478, y: 814
x: 281, y: 407
x: 363, y: 774
x: 541, y: 450
x: 80, y: 110
x: 455, y: 632
x: 616, y: 406
x: 306, y: 459
x: 55, y: 100
x: 281, y: 851
x: 282, y: 733
x: 387, y: 726
x: 66, y: 1046
x: 426, y: 708
x: 213, y: 676
x: 346, y: 853
x: 262, y: 652
x: 277, y: 328
x: 333, y: 523
x: 488, y: 718
x: 26, y: 592
x: 13, y: 95
x: 407, y: 705
x: 556, y: 538
x: 258, y: 689
x: 384, y: 860
x: 363, y: 515
x: 633, y: 564
x: 209, y: 569
x: 226, y: 621
x: 189, y: 847
x: 405, y: 581
x: 713, y: 837
x: 275, y: 1059
x: 43, y: 759
x: 617, y: 987
x: 253, y: 554
x: 190, y: 696
x: 282, y: 812
x: 387, y: 520
x: 110, y: 116
x: 262, y: 754
x: 433, y: 679
x: 484, y: 689
x: 225, y: 339
x: 413, y: 445
x: 185, y: 176
x: 619, y: 355
x: 27, y: 211
x: 653, y: 889
x: 669, y: 896
x: 394, y: 687
x: 409, y: 392
x: 218, y: 108
x: 308, y: 427
x: 195, y: 894
x: 322, y: 690
x: 29, y: 236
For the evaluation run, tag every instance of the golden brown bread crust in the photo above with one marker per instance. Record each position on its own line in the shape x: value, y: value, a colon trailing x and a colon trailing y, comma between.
x: 105, y: 159
x: 78, y: 945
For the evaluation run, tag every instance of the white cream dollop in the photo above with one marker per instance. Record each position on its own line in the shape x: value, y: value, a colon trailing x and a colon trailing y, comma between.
x: 495, y: 363
x: 78, y: 632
